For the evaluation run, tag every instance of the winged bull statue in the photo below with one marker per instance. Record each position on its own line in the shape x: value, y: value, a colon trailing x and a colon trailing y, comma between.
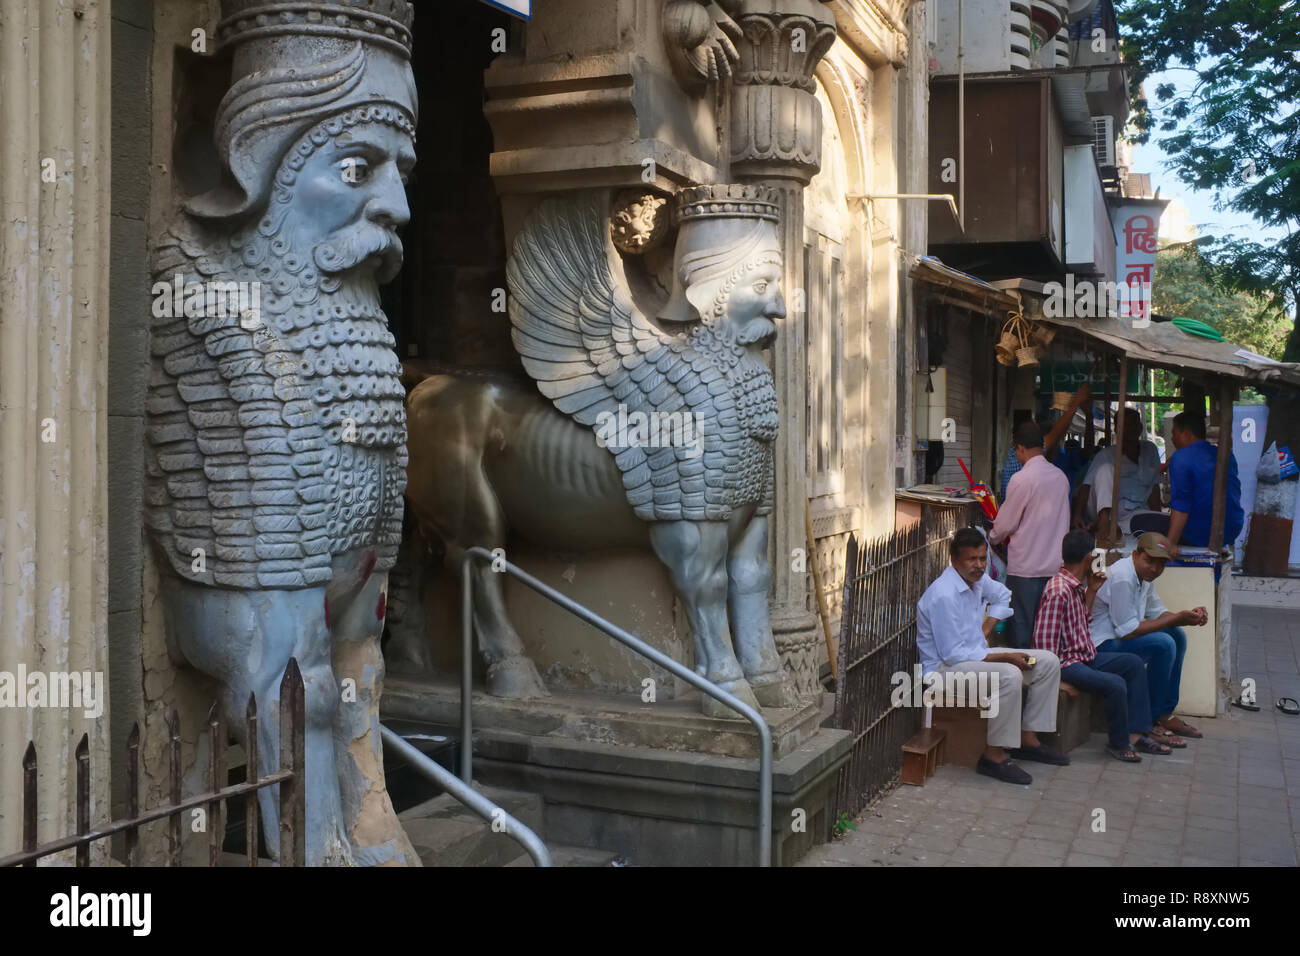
x: 651, y: 425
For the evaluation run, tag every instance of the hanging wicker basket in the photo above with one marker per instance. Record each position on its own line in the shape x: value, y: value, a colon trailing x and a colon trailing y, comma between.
x: 1004, y: 355
x: 1027, y: 357
x: 1042, y: 335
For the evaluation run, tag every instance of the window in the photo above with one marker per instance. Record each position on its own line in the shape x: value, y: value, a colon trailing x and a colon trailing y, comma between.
x: 824, y: 346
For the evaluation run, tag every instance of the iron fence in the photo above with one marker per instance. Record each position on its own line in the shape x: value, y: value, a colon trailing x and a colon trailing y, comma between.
x: 883, y: 580
x: 289, y: 778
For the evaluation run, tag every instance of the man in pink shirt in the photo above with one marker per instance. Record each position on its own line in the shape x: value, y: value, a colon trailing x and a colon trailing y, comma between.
x: 1036, y: 517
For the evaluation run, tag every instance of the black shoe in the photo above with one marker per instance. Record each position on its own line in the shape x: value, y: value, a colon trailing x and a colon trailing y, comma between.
x: 1040, y: 754
x: 1006, y: 771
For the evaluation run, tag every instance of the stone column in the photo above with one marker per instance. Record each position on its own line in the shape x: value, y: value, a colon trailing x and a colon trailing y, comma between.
x: 54, y: 255
x: 776, y: 131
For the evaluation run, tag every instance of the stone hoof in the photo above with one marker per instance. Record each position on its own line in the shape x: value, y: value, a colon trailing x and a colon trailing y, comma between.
x: 738, y: 688
x: 515, y: 678
x: 777, y: 691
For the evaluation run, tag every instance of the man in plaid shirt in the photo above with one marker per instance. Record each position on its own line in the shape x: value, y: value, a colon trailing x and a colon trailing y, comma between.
x: 1118, y: 678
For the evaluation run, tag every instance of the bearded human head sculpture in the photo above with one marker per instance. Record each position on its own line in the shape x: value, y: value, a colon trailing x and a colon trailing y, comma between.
x: 276, y: 424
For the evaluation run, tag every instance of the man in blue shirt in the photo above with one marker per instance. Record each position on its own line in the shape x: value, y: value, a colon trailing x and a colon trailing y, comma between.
x: 1191, y: 485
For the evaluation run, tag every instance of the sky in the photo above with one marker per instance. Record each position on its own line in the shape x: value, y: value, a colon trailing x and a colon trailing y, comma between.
x: 1150, y: 158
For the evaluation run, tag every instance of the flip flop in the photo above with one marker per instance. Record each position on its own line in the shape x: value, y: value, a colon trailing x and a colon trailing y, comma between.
x: 1149, y: 745
x: 1291, y: 711
x: 1128, y: 756
x: 1238, y: 702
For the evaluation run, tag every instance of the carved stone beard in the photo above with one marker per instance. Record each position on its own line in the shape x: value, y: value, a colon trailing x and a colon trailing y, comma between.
x: 751, y: 381
x: 332, y: 322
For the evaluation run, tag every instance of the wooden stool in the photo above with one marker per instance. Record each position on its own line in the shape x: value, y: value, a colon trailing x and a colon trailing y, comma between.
x: 922, y: 755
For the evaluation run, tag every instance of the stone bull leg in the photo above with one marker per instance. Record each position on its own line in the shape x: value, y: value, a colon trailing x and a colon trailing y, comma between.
x: 244, y: 640
x: 357, y: 604
x: 749, y: 575
x: 452, y: 499
x: 695, y: 553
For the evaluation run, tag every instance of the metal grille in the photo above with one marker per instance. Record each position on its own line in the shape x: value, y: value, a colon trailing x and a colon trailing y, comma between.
x: 289, y: 777
x: 883, y: 581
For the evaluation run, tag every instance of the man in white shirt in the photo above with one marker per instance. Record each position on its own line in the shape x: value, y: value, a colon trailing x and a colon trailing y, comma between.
x: 952, y: 637
x: 1139, y: 473
x: 1128, y: 615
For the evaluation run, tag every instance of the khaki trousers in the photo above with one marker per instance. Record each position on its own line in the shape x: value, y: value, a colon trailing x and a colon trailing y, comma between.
x: 1039, y: 709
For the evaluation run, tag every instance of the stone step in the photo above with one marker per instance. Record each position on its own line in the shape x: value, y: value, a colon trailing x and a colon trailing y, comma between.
x: 574, y: 856
x: 445, y: 832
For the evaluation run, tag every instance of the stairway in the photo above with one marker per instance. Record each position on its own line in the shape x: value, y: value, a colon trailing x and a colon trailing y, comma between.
x: 446, y: 833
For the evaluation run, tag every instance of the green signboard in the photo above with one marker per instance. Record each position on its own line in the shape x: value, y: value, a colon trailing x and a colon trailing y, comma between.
x: 1068, y: 376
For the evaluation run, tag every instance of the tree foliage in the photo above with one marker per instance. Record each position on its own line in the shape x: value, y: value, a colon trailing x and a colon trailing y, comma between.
x: 1233, y: 128
x: 1184, y: 284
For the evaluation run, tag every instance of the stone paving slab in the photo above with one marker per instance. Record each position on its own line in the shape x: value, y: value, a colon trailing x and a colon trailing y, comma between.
x: 1231, y: 799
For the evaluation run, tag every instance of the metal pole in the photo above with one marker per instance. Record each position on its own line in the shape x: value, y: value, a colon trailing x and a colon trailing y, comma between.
x: 466, y: 668
x: 961, y: 118
x: 667, y: 663
x: 467, y: 795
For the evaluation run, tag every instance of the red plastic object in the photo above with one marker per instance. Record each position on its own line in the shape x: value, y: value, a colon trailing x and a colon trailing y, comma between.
x: 981, y: 492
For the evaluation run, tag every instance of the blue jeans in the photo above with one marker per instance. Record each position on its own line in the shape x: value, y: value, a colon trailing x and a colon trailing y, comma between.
x: 1025, y: 595
x: 1120, y: 679
x: 1163, y: 653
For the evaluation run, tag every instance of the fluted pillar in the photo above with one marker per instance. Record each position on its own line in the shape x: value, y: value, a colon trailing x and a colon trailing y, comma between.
x: 775, y: 139
x: 54, y: 248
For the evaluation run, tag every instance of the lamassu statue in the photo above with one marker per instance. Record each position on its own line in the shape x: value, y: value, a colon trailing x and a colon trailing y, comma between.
x: 651, y: 425
x: 277, y: 429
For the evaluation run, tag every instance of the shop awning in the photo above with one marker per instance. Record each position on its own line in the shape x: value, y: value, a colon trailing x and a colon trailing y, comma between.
x: 1164, y: 345
x: 965, y: 291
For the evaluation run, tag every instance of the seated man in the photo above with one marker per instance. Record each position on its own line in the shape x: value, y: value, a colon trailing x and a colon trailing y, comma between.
x: 1127, y: 615
x: 1191, y: 487
x: 952, y: 636
x: 1139, y: 475
x: 1120, y: 679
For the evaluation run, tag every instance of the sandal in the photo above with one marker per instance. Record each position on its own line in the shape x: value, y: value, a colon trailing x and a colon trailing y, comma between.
x: 1243, y: 705
x: 1128, y: 756
x: 1149, y: 746
x: 1291, y: 711
x: 1167, y: 737
x: 1177, y: 725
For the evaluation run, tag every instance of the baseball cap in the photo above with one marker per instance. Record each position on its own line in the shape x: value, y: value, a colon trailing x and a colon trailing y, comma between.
x: 1155, y: 545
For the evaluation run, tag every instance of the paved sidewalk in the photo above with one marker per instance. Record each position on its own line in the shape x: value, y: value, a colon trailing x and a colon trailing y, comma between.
x: 1231, y: 799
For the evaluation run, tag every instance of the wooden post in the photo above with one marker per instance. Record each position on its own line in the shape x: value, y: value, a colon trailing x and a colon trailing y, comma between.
x: 1227, y: 394
x: 1118, y: 445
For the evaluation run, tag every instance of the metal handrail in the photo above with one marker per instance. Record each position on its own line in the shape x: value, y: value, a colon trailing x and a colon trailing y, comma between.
x: 467, y: 795
x: 627, y: 640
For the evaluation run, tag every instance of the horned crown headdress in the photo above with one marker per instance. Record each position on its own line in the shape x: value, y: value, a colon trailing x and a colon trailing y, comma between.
x: 295, y: 64
x: 725, y: 229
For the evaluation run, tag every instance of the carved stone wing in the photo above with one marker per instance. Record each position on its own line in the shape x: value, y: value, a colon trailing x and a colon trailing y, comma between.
x: 594, y: 355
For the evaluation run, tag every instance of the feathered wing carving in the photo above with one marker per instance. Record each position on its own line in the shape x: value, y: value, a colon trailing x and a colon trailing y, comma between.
x: 589, y: 350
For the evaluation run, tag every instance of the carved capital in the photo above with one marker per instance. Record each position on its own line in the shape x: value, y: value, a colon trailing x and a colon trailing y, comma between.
x: 776, y: 123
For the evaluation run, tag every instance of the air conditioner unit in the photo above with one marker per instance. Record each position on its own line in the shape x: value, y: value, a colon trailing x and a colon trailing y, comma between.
x: 1103, y: 140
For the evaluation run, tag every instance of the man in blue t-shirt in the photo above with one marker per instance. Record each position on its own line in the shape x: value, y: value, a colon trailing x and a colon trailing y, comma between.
x: 1191, y: 484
